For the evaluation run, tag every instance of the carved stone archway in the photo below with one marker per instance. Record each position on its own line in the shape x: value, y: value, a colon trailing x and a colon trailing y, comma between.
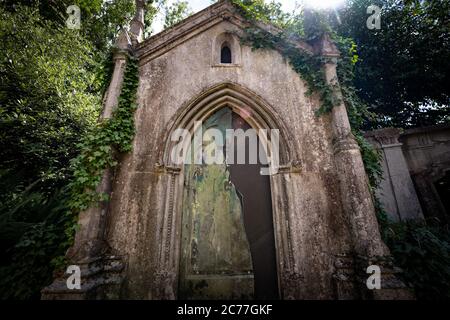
x: 259, y: 115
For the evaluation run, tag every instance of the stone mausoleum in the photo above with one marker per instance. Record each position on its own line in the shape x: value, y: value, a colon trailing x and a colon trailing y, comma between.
x: 416, y: 172
x: 171, y: 231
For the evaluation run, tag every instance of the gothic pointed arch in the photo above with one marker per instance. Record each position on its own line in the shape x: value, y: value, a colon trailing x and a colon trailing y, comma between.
x: 253, y: 108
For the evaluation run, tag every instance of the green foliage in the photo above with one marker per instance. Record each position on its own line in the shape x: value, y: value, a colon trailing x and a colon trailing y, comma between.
x: 100, y: 20
x: 405, y: 69
x: 102, y: 28
x: 308, y: 66
x: 176, y: 12
x: 259, y: 10
x: 52, y: 80
x: 47, y: 93
x: 39, y: 247
x: 48, y: 100
x: 423, y: 253
x: 51, y: 84
x: 30, y: 262
x: 98, y: 148
x: 421, y: 250
x: 152, y: 9
x: 357, y: 109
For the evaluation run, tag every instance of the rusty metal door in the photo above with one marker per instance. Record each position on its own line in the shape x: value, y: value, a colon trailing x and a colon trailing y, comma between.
x: 228, y: 247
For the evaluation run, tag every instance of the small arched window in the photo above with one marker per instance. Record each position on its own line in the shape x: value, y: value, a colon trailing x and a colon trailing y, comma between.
x: 226, y: 51
x: 225, y: 54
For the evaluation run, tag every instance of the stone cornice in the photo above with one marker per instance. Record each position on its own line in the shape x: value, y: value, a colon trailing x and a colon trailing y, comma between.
x: 170, y: 38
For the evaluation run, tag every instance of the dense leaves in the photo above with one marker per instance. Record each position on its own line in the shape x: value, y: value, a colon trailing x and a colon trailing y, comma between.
x: 48, y: 100
x: 47, y: 93
x: 404, y: 70
x: 51, y: 84
x: 29, y: 259
x: 176, y: 12
x: 99, y: 147
x: 423, y: 253
x: 100, y: 20
x: 260, y: 10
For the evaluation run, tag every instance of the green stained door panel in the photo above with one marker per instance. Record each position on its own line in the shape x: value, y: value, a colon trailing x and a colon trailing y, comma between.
x: 216, y: 261
x: 228, y: 247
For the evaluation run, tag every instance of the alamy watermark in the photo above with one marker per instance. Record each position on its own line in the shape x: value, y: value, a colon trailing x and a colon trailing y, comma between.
x: 212, y: 147
x: 74, y: 19
x: 374, y: 280
x: 374, y: 20
x: 73, y: 282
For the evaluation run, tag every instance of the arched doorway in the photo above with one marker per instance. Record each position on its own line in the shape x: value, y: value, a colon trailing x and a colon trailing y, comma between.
x: 228, y: 245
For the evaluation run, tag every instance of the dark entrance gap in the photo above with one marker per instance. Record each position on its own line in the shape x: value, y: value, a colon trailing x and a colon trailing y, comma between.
x: 258, y: 218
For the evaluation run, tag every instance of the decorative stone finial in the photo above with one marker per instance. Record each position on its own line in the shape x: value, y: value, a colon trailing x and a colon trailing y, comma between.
x: 137, y: 24
x: 123, y: 41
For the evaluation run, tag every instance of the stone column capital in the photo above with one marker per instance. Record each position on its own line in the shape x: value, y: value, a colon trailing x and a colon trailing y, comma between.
x: 386, y: 137
x: 123, y: 42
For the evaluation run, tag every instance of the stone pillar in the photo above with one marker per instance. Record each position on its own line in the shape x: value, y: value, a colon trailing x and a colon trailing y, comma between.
x: 99, y: 269
x: 120, y: 53
x: 354, y: 185
x: 89, y: 237
x: 137, y: 25
x: 369, y: 249
x: 396, y: 191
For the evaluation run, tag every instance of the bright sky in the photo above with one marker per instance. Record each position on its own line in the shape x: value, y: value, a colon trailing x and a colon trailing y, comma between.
x: 197, y: 5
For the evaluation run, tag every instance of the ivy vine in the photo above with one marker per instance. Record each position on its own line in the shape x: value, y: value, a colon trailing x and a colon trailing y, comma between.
x: 310, y: 69
x: 308, y: 66
x: 100, y: 148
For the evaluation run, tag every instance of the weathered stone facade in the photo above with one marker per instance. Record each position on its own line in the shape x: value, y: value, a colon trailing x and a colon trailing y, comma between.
x: 416, y: 170
x: 326, y: 233
x: 396, y: 191
x: 427, y: 152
